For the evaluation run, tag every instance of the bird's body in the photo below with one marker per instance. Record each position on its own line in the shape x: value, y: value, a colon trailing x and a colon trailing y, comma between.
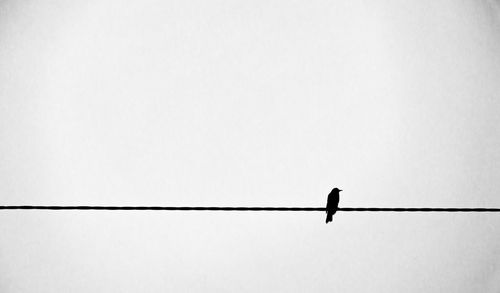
x: 332, y: 204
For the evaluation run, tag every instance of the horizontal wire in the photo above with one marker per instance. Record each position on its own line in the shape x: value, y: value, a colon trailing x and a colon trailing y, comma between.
x: 281, y: 209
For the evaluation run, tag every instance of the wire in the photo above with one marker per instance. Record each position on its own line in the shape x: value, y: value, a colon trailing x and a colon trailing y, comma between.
x: 281, y: 209
x: 448, y: 210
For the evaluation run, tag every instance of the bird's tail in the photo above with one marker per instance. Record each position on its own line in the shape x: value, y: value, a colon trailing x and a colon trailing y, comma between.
x: 329, y: 217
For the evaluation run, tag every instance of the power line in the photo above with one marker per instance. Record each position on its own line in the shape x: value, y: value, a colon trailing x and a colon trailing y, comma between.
x: 255, y: 209
x: 440, y: 210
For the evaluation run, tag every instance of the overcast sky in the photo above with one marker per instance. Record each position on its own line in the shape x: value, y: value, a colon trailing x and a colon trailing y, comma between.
x: 249, y: 103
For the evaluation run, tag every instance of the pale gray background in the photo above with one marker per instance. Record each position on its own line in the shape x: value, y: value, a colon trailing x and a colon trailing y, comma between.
x: 249, y: 103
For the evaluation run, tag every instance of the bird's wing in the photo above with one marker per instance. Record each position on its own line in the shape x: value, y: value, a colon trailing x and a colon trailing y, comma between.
x: 329, y: 204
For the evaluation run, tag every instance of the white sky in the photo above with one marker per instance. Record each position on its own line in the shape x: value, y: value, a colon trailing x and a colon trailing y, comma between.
x: 249, y: 103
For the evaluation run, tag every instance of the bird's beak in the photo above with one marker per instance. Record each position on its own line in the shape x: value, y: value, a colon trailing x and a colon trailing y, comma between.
x: 340, y: 189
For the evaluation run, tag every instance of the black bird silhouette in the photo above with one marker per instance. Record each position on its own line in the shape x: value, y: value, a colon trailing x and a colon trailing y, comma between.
x: 332, y: 204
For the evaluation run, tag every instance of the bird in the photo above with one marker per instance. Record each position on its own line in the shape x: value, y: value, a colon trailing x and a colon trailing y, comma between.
x: 332, y: 204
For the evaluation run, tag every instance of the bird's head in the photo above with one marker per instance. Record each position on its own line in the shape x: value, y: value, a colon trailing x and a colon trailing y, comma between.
x: 336, y: 189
